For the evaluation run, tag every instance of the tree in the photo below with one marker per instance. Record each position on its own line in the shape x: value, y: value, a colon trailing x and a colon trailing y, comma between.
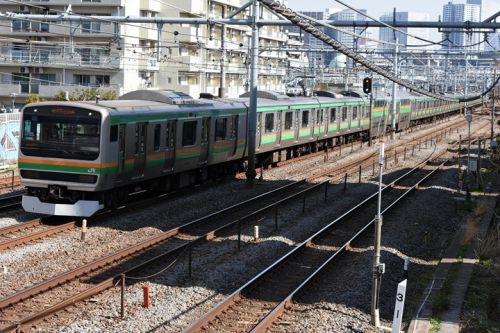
x: 86, y: 95
x: 34, y: 98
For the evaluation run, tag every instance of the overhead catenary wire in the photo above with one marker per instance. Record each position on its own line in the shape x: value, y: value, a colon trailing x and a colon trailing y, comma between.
x: 298, y: 20
x: 387, y: 25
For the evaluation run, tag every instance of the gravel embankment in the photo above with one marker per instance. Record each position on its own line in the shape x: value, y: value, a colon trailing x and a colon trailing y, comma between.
x: 218, y: 268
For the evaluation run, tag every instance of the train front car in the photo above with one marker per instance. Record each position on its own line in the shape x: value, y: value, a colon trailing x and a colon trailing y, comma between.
x: 60, y: 159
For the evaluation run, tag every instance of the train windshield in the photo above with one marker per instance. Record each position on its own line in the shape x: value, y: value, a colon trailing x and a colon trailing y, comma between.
x: 61, y: 132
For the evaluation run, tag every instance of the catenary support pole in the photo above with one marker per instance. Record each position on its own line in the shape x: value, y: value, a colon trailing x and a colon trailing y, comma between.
x: 378, y: 267
x: 252, y: 113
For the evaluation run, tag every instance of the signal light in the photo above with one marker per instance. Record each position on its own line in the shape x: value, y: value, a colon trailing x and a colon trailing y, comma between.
x: 367, y: 85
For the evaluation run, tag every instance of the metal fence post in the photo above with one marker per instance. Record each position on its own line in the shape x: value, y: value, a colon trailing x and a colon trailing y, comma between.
x: 122, y: 284
x: 359, y: 174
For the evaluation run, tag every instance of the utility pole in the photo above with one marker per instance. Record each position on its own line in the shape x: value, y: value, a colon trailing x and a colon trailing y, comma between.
x: 252, y: 112
x: 468, y: 115
x: 222, y: 88
x: 378, y: 267
x: 493, y: 108
x: 394, y: 86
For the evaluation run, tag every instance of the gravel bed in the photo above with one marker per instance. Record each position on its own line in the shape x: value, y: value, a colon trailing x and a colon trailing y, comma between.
x: 218, y: 267
x: 58, y: 254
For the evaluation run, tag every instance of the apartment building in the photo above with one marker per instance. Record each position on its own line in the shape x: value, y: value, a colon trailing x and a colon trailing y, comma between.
x: 45, y: 59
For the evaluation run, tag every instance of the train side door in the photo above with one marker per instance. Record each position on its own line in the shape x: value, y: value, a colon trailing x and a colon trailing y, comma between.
x: 204, y: 140
x: 170, y: 132
x: 233, y: 135
x: 121, y: 152
x: 140, y: 150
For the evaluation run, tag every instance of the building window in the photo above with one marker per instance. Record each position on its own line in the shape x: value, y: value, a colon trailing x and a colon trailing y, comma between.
x: 102, y: 80
x: 82, y: 80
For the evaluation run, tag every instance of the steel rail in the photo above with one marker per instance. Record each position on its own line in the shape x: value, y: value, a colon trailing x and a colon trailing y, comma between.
x: 225, y: 304
x: 62, y: 278
x: 37, y: 235
x: 19, y: 227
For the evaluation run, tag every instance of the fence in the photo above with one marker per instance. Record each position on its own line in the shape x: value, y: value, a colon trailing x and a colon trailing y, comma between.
x: 9, y: 137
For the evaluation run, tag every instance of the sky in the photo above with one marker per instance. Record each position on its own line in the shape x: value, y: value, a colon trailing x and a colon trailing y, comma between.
x: 378, y: 7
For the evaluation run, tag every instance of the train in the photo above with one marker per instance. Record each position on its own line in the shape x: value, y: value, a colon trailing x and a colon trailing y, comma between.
x: 77, y: 158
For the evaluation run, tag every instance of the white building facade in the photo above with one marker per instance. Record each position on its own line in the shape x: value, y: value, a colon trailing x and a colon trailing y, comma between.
x: 47, y: 58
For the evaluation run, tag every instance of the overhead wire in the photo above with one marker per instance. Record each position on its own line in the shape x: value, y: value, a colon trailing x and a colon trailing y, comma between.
x: 298, y: 20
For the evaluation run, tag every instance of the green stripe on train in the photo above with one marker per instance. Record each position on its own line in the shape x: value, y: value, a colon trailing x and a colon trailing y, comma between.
x: 65, y: 168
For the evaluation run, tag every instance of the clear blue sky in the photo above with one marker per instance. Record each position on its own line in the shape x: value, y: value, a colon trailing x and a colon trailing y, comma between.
x: 378, y: 7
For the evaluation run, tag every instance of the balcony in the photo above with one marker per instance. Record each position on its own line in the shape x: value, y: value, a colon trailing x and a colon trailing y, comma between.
x: 150, y: 5
x: 75, y: 3
x: 150, y: 64
x: 57, y: 60
x: 45, y: 90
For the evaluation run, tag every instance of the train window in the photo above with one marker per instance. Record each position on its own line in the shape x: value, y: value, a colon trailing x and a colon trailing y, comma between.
x: 113, y: 133
x: 269, y: 123
x: 288, y: 120
x: 156, y: 145
x: 344, y: 113
x: 333, y: 115
x: 319, y: 117
x: 305, y: 118
x: 354, y: 112
x: 189, y: 133
x: 220, y: 129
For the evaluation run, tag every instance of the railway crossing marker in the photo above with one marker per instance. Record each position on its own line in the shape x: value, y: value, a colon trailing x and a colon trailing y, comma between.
x: 399, y: 307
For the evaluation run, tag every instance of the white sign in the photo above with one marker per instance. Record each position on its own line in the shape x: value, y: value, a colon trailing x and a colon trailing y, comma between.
x: 398, y: 309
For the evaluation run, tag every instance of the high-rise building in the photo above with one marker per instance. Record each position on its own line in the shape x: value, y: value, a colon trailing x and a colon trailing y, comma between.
x: 49, y: 58
x: 460, y: 13
x: 387, y: 34
x: 309, y: 40
x: 480, y: 4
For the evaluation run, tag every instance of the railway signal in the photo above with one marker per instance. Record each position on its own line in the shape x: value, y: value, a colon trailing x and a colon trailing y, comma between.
x: 367, y: 85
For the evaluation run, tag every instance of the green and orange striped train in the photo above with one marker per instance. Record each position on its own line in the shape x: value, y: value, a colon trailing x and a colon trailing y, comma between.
x: 77, y: 158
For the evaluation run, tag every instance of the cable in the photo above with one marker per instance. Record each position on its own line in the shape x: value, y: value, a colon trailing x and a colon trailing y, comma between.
x: 345, y: 31
x: 295, y: 18
x: 387, y: 25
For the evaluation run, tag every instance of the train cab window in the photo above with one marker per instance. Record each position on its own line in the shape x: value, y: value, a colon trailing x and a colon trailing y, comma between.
x: 344, y: 113
x: 354, y: 112
x: 288, y: 120
x: 220, y: 129
x: 156, y: 143
x: 189, y: 133
x: 269, y: 123
x: 333, y: 115
x: 305, y: 118
x: 113, y: 133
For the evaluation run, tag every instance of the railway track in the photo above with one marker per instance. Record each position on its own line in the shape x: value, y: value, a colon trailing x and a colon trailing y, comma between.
x: 255, y: 306
x: 22, y: 308
x: 10, y: 202
x: 30, y: 231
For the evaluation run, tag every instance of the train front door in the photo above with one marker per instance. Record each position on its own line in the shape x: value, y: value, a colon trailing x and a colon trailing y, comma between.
x: 204, y: 140
x: 140, y: 150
